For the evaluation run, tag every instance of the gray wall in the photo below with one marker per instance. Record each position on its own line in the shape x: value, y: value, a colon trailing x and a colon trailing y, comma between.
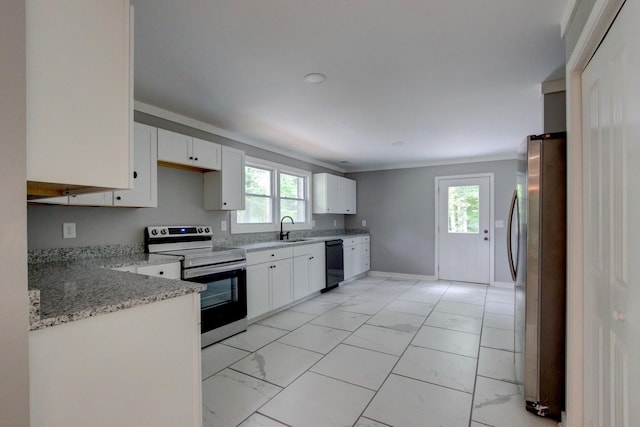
x: 555, y: 112
x: 179, y: 202
x: 14, y: 314
x: 398, y: 206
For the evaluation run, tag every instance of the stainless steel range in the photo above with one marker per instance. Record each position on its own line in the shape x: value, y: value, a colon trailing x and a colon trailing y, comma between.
x: 222, y: 269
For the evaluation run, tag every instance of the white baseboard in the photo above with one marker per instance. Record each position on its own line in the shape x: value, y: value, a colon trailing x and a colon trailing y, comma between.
x: 400, y: 275
x: 508, y: 285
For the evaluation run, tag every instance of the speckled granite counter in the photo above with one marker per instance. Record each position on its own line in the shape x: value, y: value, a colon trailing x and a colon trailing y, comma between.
x: 70, y: 291
x: 275, y: 244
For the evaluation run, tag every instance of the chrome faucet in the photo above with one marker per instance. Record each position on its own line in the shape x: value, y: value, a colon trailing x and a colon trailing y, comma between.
x: 283, y: 234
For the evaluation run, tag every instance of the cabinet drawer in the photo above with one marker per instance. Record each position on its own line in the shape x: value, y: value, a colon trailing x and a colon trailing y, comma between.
x: 269, y: 255
x: 168, y: 271
x: 350, y: 241
x: 308, y: 249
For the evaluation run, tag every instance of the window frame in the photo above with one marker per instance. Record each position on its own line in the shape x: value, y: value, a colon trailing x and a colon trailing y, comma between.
x: 276, y: 169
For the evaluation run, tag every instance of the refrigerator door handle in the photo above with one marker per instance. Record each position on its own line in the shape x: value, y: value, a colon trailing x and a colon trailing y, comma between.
x: 513, y: 266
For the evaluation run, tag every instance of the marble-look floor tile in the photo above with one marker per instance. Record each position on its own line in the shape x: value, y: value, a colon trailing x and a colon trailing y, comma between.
x: 356, y: 365
x: 366, y: 422
x: 255, y: 337
x: 454, y: 322
x: 498, y: 321
x: 499, y: 308
x: 500, y: 339
x: 380, y: 339
x: 332, y: 297
x: 353, y: 288
x: 314, y: 307
x: 497, y: 364
x: 370, y: 296
x: 229, y: 397
x: 315, y: 338
x: 447, y: 340
x: 361, y: 307
x: 287, y: 319
x: 410, y: 403
x: 341, y: 320
x: 437, y: 367
x: 257, y: 420
x: 501, y: 295
x: 438, y: 288
x: 423, y: 295
x: 396, y: 320
x: 409, y: 307
x: 461, y: 308
x: 467, y: 294
x: 219, y: 356
x: 277, y: 363
x: 390, y: 288
x: 500, y: 404
x: 400, y: 281
x: 314, y: 400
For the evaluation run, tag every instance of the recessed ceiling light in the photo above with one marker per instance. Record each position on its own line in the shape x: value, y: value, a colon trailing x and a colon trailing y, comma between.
x: 397, y: 143
x: 315, y: 78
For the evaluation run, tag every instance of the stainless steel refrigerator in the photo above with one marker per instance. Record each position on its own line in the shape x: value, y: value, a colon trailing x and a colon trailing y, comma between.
x: 537, y: 257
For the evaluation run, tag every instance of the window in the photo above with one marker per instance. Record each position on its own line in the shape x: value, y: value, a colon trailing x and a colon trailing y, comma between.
x: 271, y: 192
x: 463, y: 209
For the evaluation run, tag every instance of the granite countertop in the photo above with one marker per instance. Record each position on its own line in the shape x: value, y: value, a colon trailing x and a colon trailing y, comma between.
x: 277, y: 244
x: 74, y: 290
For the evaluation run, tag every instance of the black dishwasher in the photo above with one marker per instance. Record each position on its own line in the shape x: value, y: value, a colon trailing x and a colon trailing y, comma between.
x: 335, y: 264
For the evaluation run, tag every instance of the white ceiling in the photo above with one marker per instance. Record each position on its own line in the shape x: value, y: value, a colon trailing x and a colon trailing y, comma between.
x: 451, y: 79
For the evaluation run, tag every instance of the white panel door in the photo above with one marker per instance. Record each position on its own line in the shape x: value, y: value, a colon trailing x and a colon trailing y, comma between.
x: 464, y: 210
x: 611, y: 140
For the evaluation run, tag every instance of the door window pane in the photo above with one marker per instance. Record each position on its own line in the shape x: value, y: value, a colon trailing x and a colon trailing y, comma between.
x: 463, y: 216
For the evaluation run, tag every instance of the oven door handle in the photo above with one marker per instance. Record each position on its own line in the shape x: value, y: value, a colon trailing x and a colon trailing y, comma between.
x: 204, y: 271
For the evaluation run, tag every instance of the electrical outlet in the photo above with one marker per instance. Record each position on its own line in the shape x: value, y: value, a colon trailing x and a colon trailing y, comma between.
x: 68, y: 230
x: 223, y: 225
x: 313, y: 223
x: 335, y: 222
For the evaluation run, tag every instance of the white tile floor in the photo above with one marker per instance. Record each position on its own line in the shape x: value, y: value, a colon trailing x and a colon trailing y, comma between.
x: 374, y: 352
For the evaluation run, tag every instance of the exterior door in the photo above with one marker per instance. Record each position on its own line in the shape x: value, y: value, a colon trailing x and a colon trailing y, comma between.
x: 464, y: 233
x: 611, y: 143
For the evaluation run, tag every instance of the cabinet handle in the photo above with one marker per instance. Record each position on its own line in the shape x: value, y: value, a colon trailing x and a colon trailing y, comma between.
x: 118, y: 198
x: 161, y: 273
x: 196, y: 159
x: 353, y: 249
x: 273, y: 254
x: 224, y: 203
x: 190, y: 157
x: 135, y: 174
x: 311, y: 258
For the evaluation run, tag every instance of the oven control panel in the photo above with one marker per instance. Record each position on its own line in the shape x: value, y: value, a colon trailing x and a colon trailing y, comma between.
x: 179, y: 230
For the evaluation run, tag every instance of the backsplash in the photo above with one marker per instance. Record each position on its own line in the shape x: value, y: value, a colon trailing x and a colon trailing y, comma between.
x: 36, y: 256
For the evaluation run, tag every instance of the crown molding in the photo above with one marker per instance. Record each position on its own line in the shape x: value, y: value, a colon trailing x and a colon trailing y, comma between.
x: 444, y: 162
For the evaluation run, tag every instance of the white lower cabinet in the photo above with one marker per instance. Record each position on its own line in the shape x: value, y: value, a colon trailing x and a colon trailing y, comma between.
x: 278, y: 277
x: 356, y: 256
x: 138, y: 366
x: 308, y: 270
x: 170, y: 270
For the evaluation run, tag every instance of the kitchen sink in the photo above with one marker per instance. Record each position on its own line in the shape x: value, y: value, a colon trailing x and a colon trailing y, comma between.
x: 294, y: 240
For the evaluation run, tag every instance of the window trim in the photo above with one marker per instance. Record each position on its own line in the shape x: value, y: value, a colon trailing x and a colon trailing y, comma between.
x: 276, y: 169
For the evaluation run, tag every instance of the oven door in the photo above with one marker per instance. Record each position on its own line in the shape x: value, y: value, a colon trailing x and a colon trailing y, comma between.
x: 225, y: 299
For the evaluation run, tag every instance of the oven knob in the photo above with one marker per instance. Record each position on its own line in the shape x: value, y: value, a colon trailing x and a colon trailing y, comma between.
x: 154, y: 231
x: 206, y: 230
x: 200, y: 230
x: 163, y: 231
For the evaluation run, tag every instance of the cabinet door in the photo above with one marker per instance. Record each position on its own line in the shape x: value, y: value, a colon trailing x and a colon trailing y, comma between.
x: 145, y: 174
x: 317, y: 271
x: 232, y: 179
x: 301, y: 276
x: 258, y: 289
x: 93, y: 199
x: 63, y: 200
x: 347, y: 195
x: 79, y: 94
x: 174, y: 147
x: 281, y: 283
x: 352, y: 261
x: 206, y: 154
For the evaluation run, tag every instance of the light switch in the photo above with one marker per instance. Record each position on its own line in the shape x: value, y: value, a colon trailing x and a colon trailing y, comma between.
x: 364, y: 222
x: 223, y: 225
x: 313, y: 223
x: 335, y: 222
x: 68, y: 230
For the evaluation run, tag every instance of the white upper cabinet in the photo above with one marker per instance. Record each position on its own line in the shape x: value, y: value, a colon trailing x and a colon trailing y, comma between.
x: 79, y: 95
x: 333, y: 194
x: 175, y: 148
x: 224, y: 190
x: 145, y: 171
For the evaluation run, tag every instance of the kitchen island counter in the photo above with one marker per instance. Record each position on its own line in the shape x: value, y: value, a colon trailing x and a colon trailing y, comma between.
x: 62, y: 292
